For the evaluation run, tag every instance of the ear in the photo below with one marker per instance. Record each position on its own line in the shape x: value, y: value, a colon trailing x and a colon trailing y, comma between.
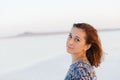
x: 87, y: 47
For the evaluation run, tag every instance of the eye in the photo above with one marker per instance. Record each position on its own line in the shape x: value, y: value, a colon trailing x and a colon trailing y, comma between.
x: 77, y: 40
x: 69, y: 36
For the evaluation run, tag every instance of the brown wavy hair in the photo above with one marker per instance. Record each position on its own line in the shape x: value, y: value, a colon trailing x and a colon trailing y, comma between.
x: 94, y: 53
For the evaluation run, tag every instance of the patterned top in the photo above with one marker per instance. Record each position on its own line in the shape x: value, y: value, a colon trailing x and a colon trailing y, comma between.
x: 81, y: 70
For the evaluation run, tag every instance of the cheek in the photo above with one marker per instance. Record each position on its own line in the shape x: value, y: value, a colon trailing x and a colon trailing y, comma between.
x: 67, y: 42
x: 79, y: 47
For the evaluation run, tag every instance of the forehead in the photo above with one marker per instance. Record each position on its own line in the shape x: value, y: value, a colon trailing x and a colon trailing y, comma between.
x: 78, y: 32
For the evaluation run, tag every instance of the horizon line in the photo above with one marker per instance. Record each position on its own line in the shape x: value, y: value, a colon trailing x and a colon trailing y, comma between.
x: 31, y: 34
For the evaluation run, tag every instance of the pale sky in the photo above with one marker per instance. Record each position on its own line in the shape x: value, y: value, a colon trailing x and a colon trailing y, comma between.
x: 17, y: 16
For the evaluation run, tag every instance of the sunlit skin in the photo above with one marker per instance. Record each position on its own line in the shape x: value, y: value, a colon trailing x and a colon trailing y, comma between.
x: 76, y: 44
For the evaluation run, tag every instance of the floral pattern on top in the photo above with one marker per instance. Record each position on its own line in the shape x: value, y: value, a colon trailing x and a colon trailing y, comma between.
x: 81, y: 70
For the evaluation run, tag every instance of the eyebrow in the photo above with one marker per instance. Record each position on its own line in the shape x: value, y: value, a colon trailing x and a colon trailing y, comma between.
x: 75, y: 36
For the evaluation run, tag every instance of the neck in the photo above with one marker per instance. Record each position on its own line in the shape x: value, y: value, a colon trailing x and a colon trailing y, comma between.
x: 76, y: 58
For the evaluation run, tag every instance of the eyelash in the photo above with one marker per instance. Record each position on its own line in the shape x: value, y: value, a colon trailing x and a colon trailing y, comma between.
x: 77, y: 39
x: 69, y: 36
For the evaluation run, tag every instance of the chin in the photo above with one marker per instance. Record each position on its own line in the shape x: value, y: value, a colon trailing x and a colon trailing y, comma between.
x: 70, y: 52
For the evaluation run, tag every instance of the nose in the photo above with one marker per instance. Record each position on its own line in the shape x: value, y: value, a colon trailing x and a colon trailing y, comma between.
x: 70, y: 41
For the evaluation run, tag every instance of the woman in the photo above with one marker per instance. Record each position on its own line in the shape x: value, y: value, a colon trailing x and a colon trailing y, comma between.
x: 85, y: 47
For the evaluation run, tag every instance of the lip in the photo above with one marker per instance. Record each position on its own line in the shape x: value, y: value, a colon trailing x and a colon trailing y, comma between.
x: 70, y: 47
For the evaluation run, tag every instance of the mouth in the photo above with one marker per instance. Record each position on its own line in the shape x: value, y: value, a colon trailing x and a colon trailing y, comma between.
x: 70, y: 47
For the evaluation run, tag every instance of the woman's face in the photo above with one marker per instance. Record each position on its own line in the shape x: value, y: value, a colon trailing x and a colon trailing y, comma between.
x: 76, y: 43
